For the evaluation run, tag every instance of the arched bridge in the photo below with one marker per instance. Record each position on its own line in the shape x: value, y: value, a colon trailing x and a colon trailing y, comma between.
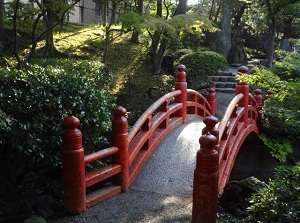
x: 130, y: 150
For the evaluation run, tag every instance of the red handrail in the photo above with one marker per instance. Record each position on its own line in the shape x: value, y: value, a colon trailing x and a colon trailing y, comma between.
x: 229, y: 112
x: 138, y: 124
x: 129, y: 150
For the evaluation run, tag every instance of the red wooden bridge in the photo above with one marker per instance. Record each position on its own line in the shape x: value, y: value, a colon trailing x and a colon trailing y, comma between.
x: 219, y: 146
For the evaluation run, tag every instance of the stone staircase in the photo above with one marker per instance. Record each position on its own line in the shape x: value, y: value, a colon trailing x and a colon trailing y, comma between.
x: 225, y: 80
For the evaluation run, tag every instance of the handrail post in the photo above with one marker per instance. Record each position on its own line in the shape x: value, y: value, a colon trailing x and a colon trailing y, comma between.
x: 181, y: 85
x: 205, y: 188
x: 120, y: 140
x: 243, y: 88
x: 269, y: 94
x: 210, y: 126
x: 259, y: 102
x: 212, y: 100
x: 73, y: 170
x: 258, y: 99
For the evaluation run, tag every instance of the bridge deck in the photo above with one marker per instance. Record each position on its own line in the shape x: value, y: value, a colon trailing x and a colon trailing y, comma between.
x: 170, y: 169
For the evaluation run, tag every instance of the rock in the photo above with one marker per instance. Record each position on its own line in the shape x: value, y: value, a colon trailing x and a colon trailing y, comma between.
x: 46, y: 206
x: 235, y: 194
x: 35, y: 219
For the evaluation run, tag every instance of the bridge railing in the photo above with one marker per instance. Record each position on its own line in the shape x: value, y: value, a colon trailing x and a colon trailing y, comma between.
x: 219, y: 145
x: 130, y: 150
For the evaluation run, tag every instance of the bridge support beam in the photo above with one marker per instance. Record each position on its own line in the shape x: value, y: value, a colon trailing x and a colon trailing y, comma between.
x: 206, y: 175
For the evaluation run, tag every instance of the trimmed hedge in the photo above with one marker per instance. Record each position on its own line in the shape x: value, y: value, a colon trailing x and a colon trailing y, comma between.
x: 200, y: 65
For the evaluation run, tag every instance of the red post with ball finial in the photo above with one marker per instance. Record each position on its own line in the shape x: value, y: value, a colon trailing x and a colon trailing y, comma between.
x: 120, y: 140
x: 181, y: 85
x: 212, y: 100
x: 73, y: 167
x: 243, y: 88
x: 206, y: 175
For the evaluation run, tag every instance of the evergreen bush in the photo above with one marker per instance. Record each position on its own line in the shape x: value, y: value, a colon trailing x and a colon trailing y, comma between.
x: 279, y: 202
x: 35, y: 101
x: 200, y: 65
x: 288, y: 68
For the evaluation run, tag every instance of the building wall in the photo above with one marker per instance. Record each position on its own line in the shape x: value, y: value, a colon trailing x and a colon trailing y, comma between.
x: 85, y: 12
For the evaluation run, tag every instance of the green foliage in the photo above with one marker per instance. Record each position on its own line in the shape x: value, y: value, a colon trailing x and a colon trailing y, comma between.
x: 6, y: 122
x: 261, y: 77
x: 279, y: 202
x: 288, y: 68
x: 25, y: 15
x: 282, y: 118
x: 131, y: 20
x: 39, y: 98
x: 281, y: 113
x: 200, y: 65
x: 279, y: 147
x: 93, y: 71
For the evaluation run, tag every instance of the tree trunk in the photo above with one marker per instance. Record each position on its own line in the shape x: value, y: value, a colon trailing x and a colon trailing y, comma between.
x: 212, y: 8
x: 49, y: 18
x: 1, y: 20
x: 49, y: 49
x: 135, y: 34
x: 271, y: 41
x: 237, y: 54
x: 223, y: 40
x: 15, y: 31
x: 217, y: 13
x: 287, y: 33
x: 108, y: 31
x: 160, y: 55
x: 159, y: 8
x: 181, y: 7
x: 159, y: 43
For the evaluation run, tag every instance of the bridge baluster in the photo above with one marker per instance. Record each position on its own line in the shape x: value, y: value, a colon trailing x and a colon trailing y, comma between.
x: 212, y: 100
x: 165, y: 108
x: 146, y: 127
x: 205, y: 190
x: 181, y: 85
x: 192, y: 110
x: 243, y: 88
x: 258, y: 98
x: 120, y: 140
x: 73, y: 167
x: 269, y: 94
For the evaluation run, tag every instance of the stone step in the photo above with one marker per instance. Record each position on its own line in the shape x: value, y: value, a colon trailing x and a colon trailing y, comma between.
x: 225, y: 84
x: 222, y: 78
x: 225, y: 90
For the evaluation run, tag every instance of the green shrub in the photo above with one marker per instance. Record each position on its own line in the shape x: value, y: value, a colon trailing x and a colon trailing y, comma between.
x: 281, y: 118
x: 280, y: 114
x: 279, y: 147
x: 288, y: 68
x: 200, y: 65
x: 280, y: 201
x: 94, y: 71
x: 38, y: 99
